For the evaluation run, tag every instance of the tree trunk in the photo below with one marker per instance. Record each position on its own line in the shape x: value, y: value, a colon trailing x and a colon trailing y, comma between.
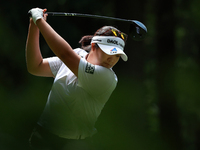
x: 169, y: 116
x: 132, y: 10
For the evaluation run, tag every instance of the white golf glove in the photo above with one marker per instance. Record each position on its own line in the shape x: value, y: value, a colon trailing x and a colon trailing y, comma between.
x: 36, y: 13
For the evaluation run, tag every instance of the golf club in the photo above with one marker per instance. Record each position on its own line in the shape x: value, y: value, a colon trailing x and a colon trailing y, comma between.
x: 137, y: 29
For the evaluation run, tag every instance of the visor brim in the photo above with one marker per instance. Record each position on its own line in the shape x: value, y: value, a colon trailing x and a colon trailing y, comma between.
x: 112, y: 50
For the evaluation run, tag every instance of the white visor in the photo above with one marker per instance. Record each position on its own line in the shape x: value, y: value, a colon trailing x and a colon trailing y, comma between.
x: 111, y: 45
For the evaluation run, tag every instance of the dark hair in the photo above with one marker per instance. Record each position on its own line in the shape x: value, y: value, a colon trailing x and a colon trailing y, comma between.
x: 85, y: 42
x: 103, y: 31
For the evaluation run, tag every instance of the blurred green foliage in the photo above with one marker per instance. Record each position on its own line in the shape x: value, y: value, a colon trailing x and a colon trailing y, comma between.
x: 157, y: 98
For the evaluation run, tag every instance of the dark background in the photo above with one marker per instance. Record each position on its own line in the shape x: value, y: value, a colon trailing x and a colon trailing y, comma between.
x: 156, y: 105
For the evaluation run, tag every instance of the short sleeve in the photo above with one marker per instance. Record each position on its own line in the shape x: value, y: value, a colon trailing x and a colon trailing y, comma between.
x: 55, y: 64
x: 95, y: 79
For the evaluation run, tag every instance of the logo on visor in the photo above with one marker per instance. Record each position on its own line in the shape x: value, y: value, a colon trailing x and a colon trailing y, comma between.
x: 113, y: 51
x: 115, y: 42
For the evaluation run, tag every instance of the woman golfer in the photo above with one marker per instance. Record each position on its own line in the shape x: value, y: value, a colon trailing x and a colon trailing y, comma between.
x: 83, y: 82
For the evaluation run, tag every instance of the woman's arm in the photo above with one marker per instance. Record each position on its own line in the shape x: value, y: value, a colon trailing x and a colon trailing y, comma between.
x: 36, y: 65
x: 59, y: 46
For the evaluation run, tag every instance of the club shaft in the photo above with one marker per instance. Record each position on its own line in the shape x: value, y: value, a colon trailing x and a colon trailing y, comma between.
x: 138, y: 31
x: 85, y: 15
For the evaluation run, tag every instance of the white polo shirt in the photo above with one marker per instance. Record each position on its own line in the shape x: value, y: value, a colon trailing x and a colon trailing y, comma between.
x: 74, y: 104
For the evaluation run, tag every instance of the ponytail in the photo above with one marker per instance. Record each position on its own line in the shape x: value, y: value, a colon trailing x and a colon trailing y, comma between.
x: 85, y: 42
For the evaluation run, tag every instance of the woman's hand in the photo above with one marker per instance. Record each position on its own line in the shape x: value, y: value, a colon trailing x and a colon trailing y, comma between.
x: 44, y: 14
x: 38, y: 13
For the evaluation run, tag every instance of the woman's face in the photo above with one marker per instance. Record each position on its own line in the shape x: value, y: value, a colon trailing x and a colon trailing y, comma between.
x: 106, y: 60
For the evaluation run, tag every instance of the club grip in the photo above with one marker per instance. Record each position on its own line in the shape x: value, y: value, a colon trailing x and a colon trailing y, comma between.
x: 50, y: 13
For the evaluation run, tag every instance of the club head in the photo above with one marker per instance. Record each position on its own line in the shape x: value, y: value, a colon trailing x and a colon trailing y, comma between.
x: 137, y: 31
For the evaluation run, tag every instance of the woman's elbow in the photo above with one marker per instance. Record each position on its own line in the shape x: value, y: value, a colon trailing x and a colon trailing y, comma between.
x: 31, y: 71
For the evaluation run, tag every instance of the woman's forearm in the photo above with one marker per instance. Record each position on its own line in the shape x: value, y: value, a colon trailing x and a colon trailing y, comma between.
x: 59, y: 46
x: 33, y: 54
